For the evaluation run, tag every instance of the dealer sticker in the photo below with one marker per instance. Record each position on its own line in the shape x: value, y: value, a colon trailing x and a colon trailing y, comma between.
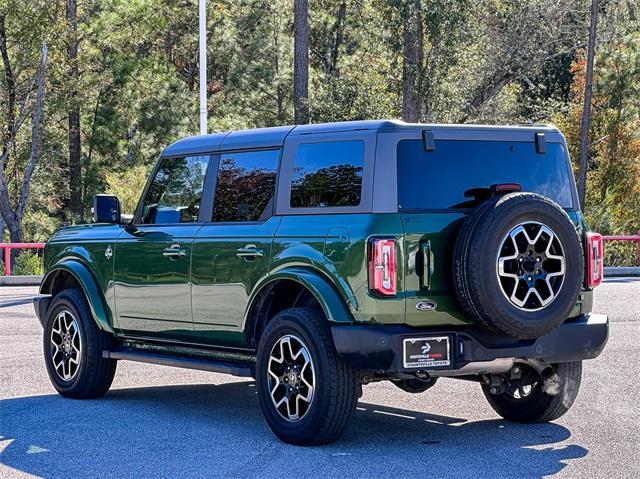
x: 425, y: 353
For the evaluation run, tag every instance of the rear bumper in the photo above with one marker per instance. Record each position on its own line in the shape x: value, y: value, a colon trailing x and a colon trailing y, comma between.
x: 380, y: 348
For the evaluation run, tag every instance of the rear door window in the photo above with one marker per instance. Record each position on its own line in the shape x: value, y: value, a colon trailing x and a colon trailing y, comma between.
x: 245, y: 185
x: 439, y: 179
x: 327, y: 174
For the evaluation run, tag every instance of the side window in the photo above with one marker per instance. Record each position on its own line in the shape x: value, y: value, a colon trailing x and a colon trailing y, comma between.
x: 175, y: 192
x: 245, y: 185
x: 327, y: 174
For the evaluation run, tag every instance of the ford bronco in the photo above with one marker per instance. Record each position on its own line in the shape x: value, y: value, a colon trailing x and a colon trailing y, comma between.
x: 320, y: 258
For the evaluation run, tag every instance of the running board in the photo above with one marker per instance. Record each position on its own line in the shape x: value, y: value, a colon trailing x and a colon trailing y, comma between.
x: 215, y: 366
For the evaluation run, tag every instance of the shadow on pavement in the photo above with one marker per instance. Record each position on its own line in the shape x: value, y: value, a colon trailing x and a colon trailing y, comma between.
x: 624, y: 279
x: 218, y: 430
x: 17, y: 302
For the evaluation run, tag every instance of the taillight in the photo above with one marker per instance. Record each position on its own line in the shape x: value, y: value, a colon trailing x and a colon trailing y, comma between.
x: 595, y: 266
x: 382, y: 267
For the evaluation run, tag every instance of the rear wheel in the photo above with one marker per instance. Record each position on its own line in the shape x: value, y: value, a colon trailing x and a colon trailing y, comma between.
x: 531, y: 400
x: 73, y: 347
x: 306, y: 391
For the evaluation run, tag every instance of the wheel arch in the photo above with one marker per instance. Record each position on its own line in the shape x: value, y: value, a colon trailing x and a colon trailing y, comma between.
x: 291, y: 287
x: 71, y: 273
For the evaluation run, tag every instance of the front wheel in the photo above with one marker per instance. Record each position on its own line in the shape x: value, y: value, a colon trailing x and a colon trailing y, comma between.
x: 73, y: 347
x: 532, y: 401
x: 306, y: 391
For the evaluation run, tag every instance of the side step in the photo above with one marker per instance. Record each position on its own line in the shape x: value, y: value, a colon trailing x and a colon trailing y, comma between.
x: 243, y: 370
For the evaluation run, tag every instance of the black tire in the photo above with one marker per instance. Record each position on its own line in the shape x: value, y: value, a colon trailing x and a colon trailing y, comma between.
x: 538, y: 406
x: 477, y: 283
x: 94, y: 374
x: 336, y: 385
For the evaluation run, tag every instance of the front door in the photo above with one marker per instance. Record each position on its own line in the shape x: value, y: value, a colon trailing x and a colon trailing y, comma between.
x: 152, y: 256
x: 231, y: 252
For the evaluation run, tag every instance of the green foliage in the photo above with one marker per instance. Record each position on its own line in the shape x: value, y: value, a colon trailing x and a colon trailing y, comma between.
x: 600, y: 217
x: 128, y: 185
x: 26, y: 264
x: 613, y: 178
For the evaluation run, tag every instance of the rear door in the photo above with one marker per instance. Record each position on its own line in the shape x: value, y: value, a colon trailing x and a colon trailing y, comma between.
x: 152, y: 256
x: 435, y: 195
x: 232, y: 250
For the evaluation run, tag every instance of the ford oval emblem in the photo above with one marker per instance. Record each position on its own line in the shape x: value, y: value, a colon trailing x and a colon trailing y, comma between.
x: 426, y: 305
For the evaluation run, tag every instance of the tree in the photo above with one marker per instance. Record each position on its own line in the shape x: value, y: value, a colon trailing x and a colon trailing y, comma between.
x: 12, y: 215
x: 514, y: 41
x: 301, y: 61
x: 75, y: 146
x: 586, y: 110
x: 412, y: 62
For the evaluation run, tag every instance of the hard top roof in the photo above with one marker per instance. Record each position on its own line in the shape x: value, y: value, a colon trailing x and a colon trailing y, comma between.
x: 274, y: 137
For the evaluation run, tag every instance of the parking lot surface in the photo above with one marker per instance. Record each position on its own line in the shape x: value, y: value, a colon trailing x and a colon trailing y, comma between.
x: 165, y: 422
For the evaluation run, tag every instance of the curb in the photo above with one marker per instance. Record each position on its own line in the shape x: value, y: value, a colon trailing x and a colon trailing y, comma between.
x: 611, y: 271
x: 20, y: 280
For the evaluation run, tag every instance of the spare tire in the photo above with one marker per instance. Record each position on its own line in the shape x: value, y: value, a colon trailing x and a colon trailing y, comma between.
x: 518, y: 265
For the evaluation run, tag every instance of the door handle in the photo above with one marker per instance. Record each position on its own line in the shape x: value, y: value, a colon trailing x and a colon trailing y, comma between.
x: 427, y: 264
x: 249, y: 252
x: 174, y: 252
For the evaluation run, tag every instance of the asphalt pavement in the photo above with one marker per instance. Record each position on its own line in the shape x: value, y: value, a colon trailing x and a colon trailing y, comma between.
x: 165, y: 422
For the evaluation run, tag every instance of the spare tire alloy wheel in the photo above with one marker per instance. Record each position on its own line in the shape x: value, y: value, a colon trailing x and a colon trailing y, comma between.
x: 291, y: 377
x: 518, y: 265
x: 66, y: 345
x: 531, y: 266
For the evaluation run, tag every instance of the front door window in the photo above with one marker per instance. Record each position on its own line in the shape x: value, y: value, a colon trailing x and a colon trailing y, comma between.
x: 176, y: 191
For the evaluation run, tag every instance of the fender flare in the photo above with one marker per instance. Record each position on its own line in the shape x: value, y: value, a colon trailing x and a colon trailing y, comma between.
x: 83, y: 276
x: 332, y: 304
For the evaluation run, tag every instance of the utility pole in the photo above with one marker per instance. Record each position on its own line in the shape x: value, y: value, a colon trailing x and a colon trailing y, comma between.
x: 202, y: 16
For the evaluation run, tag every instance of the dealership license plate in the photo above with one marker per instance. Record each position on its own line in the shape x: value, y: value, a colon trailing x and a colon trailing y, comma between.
x: 427, y: 353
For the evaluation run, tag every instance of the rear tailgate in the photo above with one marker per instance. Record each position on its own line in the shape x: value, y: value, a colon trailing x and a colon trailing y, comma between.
x: 432, y: 201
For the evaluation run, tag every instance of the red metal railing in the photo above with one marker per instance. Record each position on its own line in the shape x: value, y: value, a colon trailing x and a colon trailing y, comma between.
x: 7, y: 252
x: 634, y: 238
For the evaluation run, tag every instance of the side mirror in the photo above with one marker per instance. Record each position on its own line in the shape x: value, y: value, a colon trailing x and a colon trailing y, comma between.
x: 106, y: 209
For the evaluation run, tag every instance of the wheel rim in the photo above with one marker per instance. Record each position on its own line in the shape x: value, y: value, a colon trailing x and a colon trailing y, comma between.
x: 291, y: 378
x: 531, y: 266
x: 521, y: 391
x: 65, y: 345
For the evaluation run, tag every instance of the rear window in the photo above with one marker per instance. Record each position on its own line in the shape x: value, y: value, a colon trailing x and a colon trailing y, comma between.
x: 327, y: 174
x: 438, y: 179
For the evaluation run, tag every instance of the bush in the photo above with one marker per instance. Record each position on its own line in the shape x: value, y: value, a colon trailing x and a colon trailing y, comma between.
x: 27, y: 264
x: 619, y: 253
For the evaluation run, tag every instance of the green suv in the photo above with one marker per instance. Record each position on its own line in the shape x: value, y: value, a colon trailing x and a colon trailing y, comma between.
x: 319, y: 258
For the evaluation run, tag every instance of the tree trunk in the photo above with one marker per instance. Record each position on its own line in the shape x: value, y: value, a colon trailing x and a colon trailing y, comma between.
x: 75, y: 172
x: 301, y: 62
x: 586, y: 110
x: 11, y: 89
x: 334, y: 43
x: 413, y: 57
x: 13, y: 217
